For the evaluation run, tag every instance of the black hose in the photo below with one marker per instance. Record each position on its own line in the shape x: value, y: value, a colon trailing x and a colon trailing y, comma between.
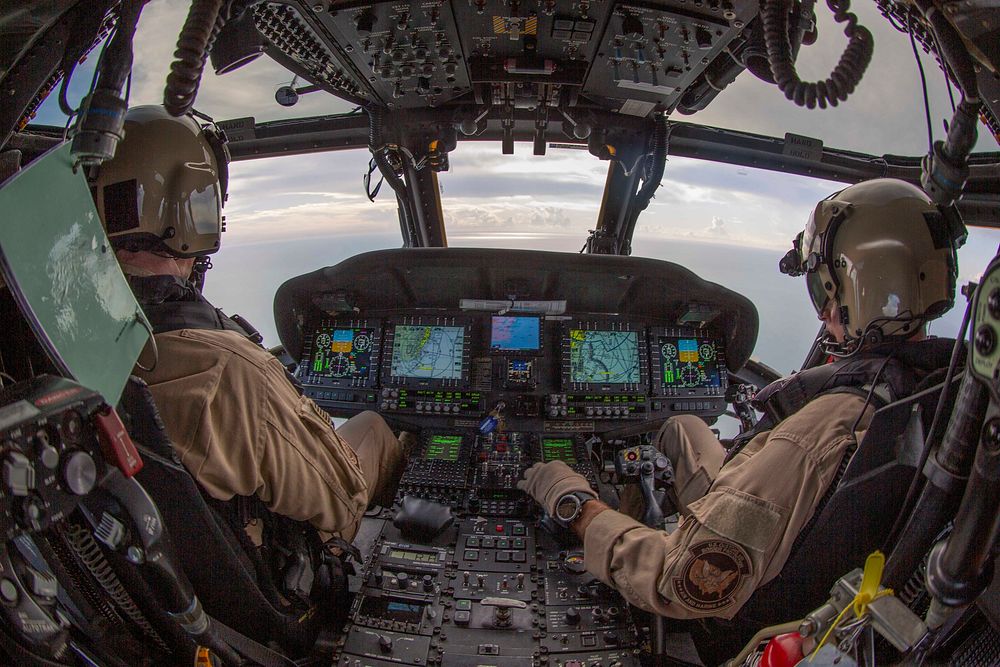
x: 657, y: 159
x: 200, y: 29
x: 377, y: 147
x: 951, y: 49
x: 661, y: 135
x: 934, y: 434
x: 938, y: 502
x: 845, y: 76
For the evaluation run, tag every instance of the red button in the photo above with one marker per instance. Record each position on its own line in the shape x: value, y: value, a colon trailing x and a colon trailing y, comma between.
x: 499, y: 527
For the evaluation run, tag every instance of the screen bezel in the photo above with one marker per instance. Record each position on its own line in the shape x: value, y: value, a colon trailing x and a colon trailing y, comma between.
x: 389, y: 337
x: 308, y: 378
x: 605, y: 387
x: 660, y: 388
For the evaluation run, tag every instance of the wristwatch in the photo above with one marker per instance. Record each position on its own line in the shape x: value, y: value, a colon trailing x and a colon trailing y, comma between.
x: 569, y: 507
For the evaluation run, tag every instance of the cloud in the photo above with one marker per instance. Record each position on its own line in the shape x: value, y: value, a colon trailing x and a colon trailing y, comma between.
x: 717, y: 228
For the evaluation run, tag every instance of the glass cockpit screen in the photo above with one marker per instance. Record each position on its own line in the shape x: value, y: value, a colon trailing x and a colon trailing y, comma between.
x: 443, y: 447
x: 558, y: 449
x: 342, y: 352
x: 519, y: 334
x: 603, y: 357
x: 427, y: 352
x: 689, y: 362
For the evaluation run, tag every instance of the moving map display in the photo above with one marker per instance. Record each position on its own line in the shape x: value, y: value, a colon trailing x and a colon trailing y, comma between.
x: 427, y: 352
x: 689, y: 363
x: 603, y: 357
x: 342, y: 352
x: 515, y: 333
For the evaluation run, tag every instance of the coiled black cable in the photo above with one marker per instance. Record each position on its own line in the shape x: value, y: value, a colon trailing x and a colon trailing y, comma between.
x: 845, y: 76
x: 203, y: 23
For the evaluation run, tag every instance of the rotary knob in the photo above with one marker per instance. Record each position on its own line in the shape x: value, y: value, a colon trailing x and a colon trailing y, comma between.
x: 402, y: 580
x: 80, y: 473
x: 572, y: 616
x: 385, y: 644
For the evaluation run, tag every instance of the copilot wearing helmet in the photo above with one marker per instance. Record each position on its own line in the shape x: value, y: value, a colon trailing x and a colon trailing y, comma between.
x: 884, y: 256
x: 235, y: 419
x: 880, y: 262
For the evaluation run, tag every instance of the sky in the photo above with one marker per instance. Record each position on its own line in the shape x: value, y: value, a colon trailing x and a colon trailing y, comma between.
x: 291, y: 215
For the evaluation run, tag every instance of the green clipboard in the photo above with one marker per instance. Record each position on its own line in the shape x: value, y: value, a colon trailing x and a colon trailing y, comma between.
x: 59, y: 265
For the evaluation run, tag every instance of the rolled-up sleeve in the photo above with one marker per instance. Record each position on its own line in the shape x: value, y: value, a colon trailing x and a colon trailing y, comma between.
x: 738, y: 536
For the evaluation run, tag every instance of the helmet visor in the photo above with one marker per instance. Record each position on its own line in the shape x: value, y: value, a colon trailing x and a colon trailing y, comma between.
x: 817, y: 292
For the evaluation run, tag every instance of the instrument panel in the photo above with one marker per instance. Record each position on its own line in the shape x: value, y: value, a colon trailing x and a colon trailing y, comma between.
x: 490, y: 395
x: 542, y: 370
x: 586, y: 348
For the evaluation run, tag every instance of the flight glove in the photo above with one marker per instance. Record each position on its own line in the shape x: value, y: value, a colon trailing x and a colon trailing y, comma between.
x: 548, y: 482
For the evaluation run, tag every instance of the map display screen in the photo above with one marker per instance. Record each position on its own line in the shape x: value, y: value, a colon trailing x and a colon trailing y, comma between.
x: 427, y: 352
x: 558, y: 449
x: 515, y: 333
x: 603, y: 357
x: 342, y: 352
x: 443, y: 448
x: 689, y: 363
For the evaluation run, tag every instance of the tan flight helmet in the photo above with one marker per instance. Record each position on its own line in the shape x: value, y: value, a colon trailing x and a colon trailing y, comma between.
x: 886, y: 253
x: 165, y: 187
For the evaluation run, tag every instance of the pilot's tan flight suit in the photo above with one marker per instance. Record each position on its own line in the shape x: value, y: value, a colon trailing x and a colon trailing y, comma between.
x: 738, y: 524
x: 241, y: 428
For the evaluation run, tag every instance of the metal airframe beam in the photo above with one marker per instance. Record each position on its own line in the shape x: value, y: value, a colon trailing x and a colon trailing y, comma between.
x: 980, y: 204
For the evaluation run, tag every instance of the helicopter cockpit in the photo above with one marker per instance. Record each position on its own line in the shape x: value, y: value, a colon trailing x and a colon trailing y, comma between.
x: 495, y: 359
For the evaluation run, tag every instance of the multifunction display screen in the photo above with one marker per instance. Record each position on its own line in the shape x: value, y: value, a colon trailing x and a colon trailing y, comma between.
x: 427, y: 352
x: 558, y: 449
x: 688, y: 362
x: 520, y: 334
x: 604, y: 357
x: 342, y: 352
x: 443, y: 448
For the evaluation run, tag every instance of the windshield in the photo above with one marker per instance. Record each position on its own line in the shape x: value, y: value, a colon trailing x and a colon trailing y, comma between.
x: 290, y: 215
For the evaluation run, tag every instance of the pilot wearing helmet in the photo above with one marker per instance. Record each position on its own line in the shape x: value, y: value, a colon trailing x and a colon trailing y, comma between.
x: 880, y: 262
x: 236, y: 420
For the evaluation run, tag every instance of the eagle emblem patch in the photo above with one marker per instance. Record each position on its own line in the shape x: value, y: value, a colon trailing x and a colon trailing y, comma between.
x: 714, y: 571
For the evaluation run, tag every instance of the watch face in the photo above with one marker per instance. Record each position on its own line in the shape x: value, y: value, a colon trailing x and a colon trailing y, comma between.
x: 567, y: 507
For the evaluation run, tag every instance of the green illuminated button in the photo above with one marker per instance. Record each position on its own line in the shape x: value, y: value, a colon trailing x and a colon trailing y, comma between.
x: 463, y: 605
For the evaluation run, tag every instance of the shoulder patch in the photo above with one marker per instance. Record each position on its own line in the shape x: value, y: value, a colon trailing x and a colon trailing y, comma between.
x: 713, y: 572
